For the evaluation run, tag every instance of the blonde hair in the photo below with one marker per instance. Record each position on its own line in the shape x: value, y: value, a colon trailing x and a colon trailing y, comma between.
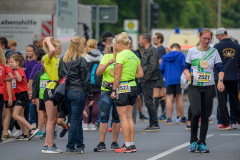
x: 73, y: 49
x: 54, y: 43
x: 91, y: 43
x: 206, y: 30
x: 2, y: 57
x: 12, y: 42
x: 123, y: 38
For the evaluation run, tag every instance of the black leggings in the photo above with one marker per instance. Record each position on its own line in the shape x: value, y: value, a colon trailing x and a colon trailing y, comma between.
x: 201, y: 100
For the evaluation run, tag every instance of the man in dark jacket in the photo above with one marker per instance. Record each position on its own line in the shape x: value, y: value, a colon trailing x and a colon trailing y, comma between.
x: 151, y: 72
x: 229, y: 52
x: 105, y: 36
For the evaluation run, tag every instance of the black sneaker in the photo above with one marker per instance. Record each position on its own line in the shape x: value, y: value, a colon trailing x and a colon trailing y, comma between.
x: 64, y: 131
x: 188, y: 127
x: 22, y: 137
x: 134, y: 148
x: 72, y: 151
x: 142, y: 117
x: 33, y: 132
x: 151, y: 129
x: 81, y: 150
x: 100, y: 147
x: 114, y: 146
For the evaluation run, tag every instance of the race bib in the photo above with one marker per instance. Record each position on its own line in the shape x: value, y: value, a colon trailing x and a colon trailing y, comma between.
x: 203, y: 76
x: 43, y: 84
x: 14, y: 83
x: 123, y: 88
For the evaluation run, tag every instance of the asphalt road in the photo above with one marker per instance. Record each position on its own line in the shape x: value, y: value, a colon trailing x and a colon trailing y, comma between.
x: 171, y: 143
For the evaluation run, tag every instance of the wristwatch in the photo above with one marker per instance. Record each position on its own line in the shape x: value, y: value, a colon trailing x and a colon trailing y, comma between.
x: 220, y: 80
x: 15, y: 69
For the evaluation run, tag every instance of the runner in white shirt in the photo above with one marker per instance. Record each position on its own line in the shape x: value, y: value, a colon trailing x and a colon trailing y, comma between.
x: 201, y: 60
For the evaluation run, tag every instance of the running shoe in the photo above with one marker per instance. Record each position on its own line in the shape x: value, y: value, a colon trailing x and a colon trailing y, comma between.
x: 72, y: 151
x: 39, y: 134
x: 44, y: 149
x: 210, y: 120
x: 114, y: 146
x: 162, y: 118
x: 81, y: 150
x: 202, y: 148
x: 151, y: 129
x: 142, y: 117
x: 100, y: 147
x: 6, y: 137
x: 85, y: 127
x: 33, y: 132
x: 64, y: 131
x: 22, y: 137
x: 125, y: 149
x: 193, y: 147
x: 234, y: 126
x: 178, y: 119
x: 9, y: 132
x: 188, y: 127
x: 43, y: 136
x: 134, y: 148
x: 92, y: 127
x: 17, y: 133
x: 54, y: 149
x: 222, y: 127
x: 55, y: 134
x: 146, y: 120
x: 169, y: 121
x: 183, y: 121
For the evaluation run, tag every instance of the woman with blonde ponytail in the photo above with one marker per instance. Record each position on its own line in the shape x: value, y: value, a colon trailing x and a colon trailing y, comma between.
x: 53, y: 48
x: 125, y: 90
x: 78, y: 90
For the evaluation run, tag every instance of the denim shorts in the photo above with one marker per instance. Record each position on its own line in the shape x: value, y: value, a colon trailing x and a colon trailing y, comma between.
x: 106, y: 102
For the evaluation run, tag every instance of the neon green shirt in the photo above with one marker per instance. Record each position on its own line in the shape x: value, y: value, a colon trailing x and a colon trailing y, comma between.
x: 130, y: 64
x: 107, y: 77
x: 43, y: 83
x: 51, y: 66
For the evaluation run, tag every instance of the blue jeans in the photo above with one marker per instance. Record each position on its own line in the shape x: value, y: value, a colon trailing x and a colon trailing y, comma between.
x: 75, y: 103
x: 32, y: 113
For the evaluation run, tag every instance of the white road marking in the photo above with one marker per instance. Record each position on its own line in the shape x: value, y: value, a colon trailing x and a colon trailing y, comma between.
x: 6, y: 141
x: 229, y: 134
x: 173, y: 150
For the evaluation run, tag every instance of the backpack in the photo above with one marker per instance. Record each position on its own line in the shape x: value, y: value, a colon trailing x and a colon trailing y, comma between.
x: 96, y: 81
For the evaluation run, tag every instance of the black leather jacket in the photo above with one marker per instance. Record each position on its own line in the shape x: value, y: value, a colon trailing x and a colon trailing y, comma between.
x: 78, y: 77
x: 150, y: 64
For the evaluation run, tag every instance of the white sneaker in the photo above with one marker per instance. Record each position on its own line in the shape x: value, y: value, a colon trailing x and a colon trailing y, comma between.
x: 85, y: 127
x: 17, y: 133
x: 9, y: 132
x: 178, y: 119
x: 92, y: 127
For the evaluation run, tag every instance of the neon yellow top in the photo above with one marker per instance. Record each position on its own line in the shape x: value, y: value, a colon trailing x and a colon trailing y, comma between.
x: 107, y: 77
x: 130, y: 64
x: 51, y: 66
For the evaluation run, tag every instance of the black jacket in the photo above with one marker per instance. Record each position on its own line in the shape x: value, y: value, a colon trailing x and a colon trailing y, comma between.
x: 78, y: 77
x: 150, y: 64
x: 35, y: 84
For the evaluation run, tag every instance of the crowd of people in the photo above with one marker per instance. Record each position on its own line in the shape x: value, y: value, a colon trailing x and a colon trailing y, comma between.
x: 106, y: 83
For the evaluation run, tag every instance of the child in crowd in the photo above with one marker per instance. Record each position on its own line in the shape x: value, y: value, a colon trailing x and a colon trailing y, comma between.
x: 22, y: 98
x: 9, y: 97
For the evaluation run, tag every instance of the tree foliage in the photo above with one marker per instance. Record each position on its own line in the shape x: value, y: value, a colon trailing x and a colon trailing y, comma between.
x: 176, y: 13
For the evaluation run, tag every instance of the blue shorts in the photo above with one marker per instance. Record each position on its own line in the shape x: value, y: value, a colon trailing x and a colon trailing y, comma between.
x: 105, y: 103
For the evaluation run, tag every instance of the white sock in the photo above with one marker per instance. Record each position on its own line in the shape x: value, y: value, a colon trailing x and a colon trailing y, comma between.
x: 127, y: 144
x: 132, y: 143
